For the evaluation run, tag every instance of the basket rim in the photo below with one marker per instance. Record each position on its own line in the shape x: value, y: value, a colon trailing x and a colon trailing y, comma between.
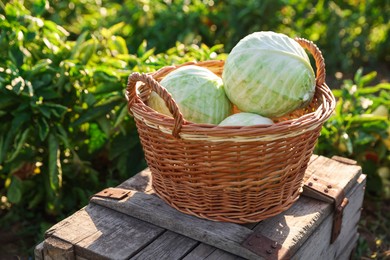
x: 191, y: 130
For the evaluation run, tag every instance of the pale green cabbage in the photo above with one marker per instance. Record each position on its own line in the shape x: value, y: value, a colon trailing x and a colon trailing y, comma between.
x: 245, y: 119
x: 269, y: 74
x: 198, y: 92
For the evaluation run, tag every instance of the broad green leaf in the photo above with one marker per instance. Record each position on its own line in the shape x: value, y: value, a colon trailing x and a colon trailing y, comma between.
x: 105, y: 75
x: 56, y: 109
x: 55, y: 170
x: 40, y: 66
x: 62, y: 134
x: 97, y: 138
x: 123, y: 112
x: 94, y: 113
x: 54, y: 27
x: 19, y: 145
x: 117, y: 28
x: 364, y: 80
x: 216, y: 47
x: 36, y: 200
x: 105, y: 125
x: 142, y: 48
x: 16, y: 55
x: 3, y: 152
x: 88, y: 49
x: 46, y: 111
x: 358, y: 75
x: 77, y: 47
x: 43, y: 128
x: 13, y: 10
x: 7, y: 99
x: 147, y: 54
x: 366, y: 118
x: 47, y: 93
x: 16, y: 126
x: 119, y: 44
x: 39, y: 6
x: 14, y: 192
x: 102, y: 88
x: 374, y: 89
x: 337, y: 92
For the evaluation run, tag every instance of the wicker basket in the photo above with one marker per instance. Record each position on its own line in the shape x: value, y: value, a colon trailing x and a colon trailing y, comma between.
x: 233, y: 174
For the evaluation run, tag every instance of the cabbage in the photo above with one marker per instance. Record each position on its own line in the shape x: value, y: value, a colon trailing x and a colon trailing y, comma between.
x: 245, y: 119
x: 269, y: 74
x: 198, y: 92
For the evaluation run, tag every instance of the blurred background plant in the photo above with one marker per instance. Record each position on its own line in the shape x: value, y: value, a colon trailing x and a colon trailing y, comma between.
x: 65, y: 132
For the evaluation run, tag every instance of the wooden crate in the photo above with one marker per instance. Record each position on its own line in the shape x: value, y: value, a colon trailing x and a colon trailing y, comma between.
x: 139, y: 225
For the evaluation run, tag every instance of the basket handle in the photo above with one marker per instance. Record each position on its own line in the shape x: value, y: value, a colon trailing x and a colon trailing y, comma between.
x: 161, y: 91
x: 319, y: 59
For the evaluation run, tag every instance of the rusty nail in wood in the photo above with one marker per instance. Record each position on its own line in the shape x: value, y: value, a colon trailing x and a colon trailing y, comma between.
x: 310, y: 184
x: 315, y: 178
x: 329, y: 186
x: 273, y: 246
x: 269, y: 251
x: 326, y: 190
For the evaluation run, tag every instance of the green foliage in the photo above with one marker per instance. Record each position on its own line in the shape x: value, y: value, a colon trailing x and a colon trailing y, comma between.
x: 357, y: 29
x: 360, y: 129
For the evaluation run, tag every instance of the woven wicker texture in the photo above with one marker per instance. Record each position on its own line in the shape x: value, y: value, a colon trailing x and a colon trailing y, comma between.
x: 233, y: 174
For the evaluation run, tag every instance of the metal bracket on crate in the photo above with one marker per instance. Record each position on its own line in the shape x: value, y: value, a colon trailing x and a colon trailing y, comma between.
x: 316, y: 188
x: 113, y: 193
x: 265, y: 247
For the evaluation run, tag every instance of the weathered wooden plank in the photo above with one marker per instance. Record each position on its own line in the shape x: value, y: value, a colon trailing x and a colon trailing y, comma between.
x: 202, y: 251
x: 38, y: 251
x: 97, y: 232
x: 142, y: 181
x: 57, y: 249
x: 342, y: 174
x: 223, y: 255
x: 145, y: 206
x: 168, y: 246
x: 349, y: 250
x: 81, y: 258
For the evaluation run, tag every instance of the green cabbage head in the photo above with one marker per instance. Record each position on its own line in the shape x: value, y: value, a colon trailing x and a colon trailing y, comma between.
x: 198, y: 92
x: 269, y: 74
x: 245, y: 119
